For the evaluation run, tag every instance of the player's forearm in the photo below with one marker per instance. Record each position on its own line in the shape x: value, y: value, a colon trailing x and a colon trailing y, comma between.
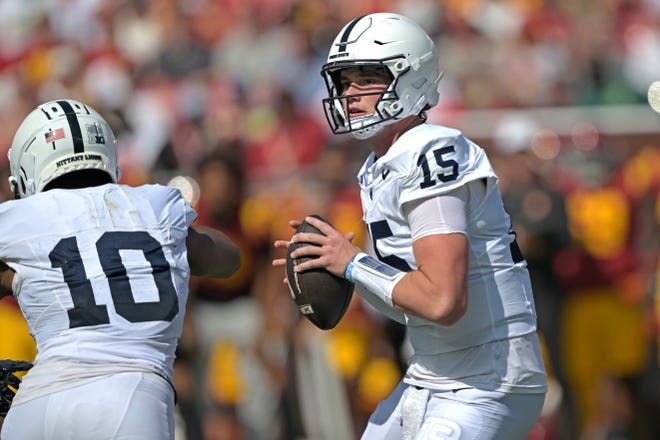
x: 441, y: 299
x: 211, y: 253
x: 417, y: 295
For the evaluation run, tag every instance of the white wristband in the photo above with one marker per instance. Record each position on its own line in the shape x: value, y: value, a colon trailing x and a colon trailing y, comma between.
x: 375, y: 276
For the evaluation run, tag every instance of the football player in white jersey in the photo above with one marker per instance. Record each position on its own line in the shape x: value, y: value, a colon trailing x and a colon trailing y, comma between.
x: 100, y: 271
x: 444, y: 260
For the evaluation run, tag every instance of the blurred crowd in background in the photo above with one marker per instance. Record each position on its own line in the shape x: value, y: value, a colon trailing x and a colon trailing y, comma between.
x: 222, y: 98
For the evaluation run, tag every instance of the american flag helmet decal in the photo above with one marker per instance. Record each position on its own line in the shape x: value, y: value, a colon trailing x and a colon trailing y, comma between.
x: 54, y: 135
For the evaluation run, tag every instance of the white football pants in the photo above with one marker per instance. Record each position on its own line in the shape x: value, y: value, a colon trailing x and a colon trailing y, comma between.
x: 125, y: 406
x: 465, y: 414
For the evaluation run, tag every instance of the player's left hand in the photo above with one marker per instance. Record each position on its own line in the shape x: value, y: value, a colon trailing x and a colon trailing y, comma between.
x: 284, y: 244
x: 333, y: 250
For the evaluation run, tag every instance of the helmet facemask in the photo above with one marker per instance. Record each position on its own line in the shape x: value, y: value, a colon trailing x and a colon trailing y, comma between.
x: 387, y: 108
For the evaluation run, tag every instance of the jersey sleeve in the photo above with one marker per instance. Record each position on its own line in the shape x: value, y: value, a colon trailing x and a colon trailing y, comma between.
x: 442, y: 165
x: 21, y: 225
x: 169, y: 206
x: 7, y: 225
x: 444, y: 214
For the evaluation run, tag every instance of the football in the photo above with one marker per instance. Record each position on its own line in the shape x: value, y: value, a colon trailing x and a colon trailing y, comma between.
x: 320, y: 296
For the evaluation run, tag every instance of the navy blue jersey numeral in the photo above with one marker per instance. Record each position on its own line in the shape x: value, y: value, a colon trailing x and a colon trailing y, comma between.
x: 66, y: 256
x: 449, y: 165
x: 380, y: 230
x: 85, y: 312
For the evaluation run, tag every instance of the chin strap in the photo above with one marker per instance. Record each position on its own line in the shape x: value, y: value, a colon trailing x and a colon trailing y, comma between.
x: 368, y: 132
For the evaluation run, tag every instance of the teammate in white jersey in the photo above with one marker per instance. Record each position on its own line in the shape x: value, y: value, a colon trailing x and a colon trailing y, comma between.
x: 100, y: 271
x: 444, y: 259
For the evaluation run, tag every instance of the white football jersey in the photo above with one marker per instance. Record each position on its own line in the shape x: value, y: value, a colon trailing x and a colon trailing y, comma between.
x: 101, y: 276
x: 428, y: 161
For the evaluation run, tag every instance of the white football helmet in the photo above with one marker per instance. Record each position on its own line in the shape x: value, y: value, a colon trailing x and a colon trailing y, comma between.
x: 397, y: 46
x: 56, y: 138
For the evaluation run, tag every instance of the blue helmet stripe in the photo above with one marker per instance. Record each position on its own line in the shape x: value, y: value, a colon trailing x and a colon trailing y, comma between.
x: 74, y: 125
x: 347, y: 33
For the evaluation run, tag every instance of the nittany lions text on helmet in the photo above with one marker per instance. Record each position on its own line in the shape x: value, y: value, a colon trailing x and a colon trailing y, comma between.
x: 407, y: 55
x: 56, y: 138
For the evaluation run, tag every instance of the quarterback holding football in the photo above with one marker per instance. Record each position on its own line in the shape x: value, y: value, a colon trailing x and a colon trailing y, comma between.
x: 445, y: 262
